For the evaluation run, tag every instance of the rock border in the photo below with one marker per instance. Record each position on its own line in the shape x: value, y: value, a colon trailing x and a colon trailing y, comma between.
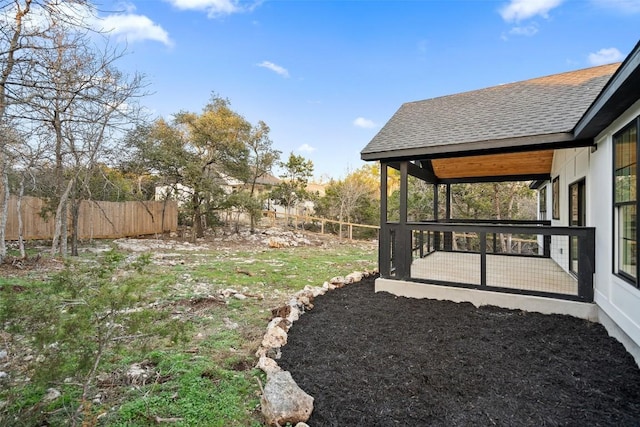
x: 282, y: 401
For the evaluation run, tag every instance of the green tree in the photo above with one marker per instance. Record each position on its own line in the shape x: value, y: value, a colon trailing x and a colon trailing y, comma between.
x: 195, y: 156
x: 353, y: 199
x: 261, y: 159
x: 293, y: 188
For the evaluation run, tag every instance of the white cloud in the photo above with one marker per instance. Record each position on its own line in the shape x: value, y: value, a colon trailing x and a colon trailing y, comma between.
x: 519, y: 10
x: 307, y: 148
x: 275, y: 68
x: 624, y: 6
x: 528, y: 30
x: 124, y: 26
x: 361, y: 122
x: 214, y: 8
x: 133, y: 28
x: 605, y: 56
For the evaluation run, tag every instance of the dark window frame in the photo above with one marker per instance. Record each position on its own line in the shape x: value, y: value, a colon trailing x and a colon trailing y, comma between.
x: 580, y: 186
x: 542, y: 205
x: 617, y: 205
x: 555, y: 198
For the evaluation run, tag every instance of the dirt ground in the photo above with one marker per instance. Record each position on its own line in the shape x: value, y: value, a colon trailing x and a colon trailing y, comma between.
x: 378, y: 360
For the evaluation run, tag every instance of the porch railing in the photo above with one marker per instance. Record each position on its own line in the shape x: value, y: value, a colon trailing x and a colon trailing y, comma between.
x: 529, y: 259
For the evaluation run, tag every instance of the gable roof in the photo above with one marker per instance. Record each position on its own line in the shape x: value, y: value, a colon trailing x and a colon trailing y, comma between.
x: 534, y: 114
x: 620, y: 93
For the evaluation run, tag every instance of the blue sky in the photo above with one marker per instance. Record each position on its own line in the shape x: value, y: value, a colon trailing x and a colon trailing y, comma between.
x: 326, y: 75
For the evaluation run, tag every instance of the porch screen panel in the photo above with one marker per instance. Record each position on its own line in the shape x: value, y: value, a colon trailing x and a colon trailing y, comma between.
x: 625, y: 201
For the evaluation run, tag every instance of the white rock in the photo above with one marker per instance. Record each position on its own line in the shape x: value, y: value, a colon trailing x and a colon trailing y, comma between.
x: 294, y: 315
x: 302, y: 425
x: 229, y: 324
x: 136, y: 371
x: 337, y: 281
x: 240, y: 296
x: 354, y: 277
x: 268, y: 365
x: 276, y: 321
x: 228, y: 292
x: 3, y: 354
x: 317, y: 291
x: 52, y: 394
x: 283, y: 401
x: 275, y: 337
x: 3, y: 375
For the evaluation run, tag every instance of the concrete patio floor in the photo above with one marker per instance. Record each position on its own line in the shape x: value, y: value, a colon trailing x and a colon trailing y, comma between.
x: 526, y: 273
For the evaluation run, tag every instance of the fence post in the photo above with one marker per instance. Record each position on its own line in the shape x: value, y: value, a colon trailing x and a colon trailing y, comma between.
x: 483, y: 258
x: 350, y: 231
x: 586, y: 264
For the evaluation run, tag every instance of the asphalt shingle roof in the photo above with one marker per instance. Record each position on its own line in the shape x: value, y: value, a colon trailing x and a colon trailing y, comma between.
x: 531, y: 108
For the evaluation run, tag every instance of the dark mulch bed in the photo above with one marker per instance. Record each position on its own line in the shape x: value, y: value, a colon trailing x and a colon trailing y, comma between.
x: 379, y: 360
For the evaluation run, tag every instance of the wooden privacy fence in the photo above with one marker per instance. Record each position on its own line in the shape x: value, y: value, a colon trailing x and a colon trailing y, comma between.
x: 106, y: 220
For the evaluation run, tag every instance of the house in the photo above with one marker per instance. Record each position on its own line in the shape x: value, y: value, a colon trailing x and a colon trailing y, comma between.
x: 182, y: 193
x: 575, y: 136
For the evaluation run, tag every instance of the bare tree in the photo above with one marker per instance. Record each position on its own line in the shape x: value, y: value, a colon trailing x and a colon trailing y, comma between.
x: 23, y: 24
x: 83, y: 102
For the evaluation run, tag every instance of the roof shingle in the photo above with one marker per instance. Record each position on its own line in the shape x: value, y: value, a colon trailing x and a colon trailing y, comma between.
x: 542, y: 106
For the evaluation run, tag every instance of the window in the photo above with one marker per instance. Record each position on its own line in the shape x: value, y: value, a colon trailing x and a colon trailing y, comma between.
x: 542, y: 208
x: 577, y: 218
x: 625, y: 201
x: 555, y: 197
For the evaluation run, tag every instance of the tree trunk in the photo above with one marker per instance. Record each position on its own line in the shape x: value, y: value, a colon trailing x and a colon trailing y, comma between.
x: 252, y: 214
x: 197, y: 217
x: 23, y: 253
x: 496, y: 204
x: 5, y: 73
x: 75, y: 214
x: 60, y: 232
x: 4, y: 211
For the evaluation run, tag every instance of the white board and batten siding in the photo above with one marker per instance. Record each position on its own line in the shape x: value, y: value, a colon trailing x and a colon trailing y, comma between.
x: 570, y: 165
x: 617, y: 300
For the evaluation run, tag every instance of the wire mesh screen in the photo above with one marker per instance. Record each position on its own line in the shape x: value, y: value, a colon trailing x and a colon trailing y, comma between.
x: 532, y: 273
x: 529, y: 262
x: 454, y: 267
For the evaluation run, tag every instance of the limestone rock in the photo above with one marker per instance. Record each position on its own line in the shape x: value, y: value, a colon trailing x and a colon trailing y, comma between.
x: 283, y: 401
x: 315, y: 290
x: 281, y: 311
x: 337, y: 281
x: 354, y: 277
x: 294, y: 314
x: 268, y: 365
x: 275, y: 337
x: 52, y: 394
x: 279, y: 322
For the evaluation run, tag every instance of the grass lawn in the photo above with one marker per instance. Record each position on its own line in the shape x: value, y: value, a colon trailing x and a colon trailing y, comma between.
x: 151, y: 337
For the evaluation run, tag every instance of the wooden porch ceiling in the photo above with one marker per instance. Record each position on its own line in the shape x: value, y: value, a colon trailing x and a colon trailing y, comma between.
x: 521, y: 164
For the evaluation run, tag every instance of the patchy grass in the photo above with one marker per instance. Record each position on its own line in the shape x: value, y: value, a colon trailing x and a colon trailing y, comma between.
x: 144, y: 339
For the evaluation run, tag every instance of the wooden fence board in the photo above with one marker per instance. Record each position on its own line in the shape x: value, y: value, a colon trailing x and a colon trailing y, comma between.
x: 96, y: 219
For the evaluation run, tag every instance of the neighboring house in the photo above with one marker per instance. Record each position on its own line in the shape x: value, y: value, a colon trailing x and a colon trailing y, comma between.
x: 178, y: 192
x: 303, y: 207
x: 576, y: 136
x: 182, y: 194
